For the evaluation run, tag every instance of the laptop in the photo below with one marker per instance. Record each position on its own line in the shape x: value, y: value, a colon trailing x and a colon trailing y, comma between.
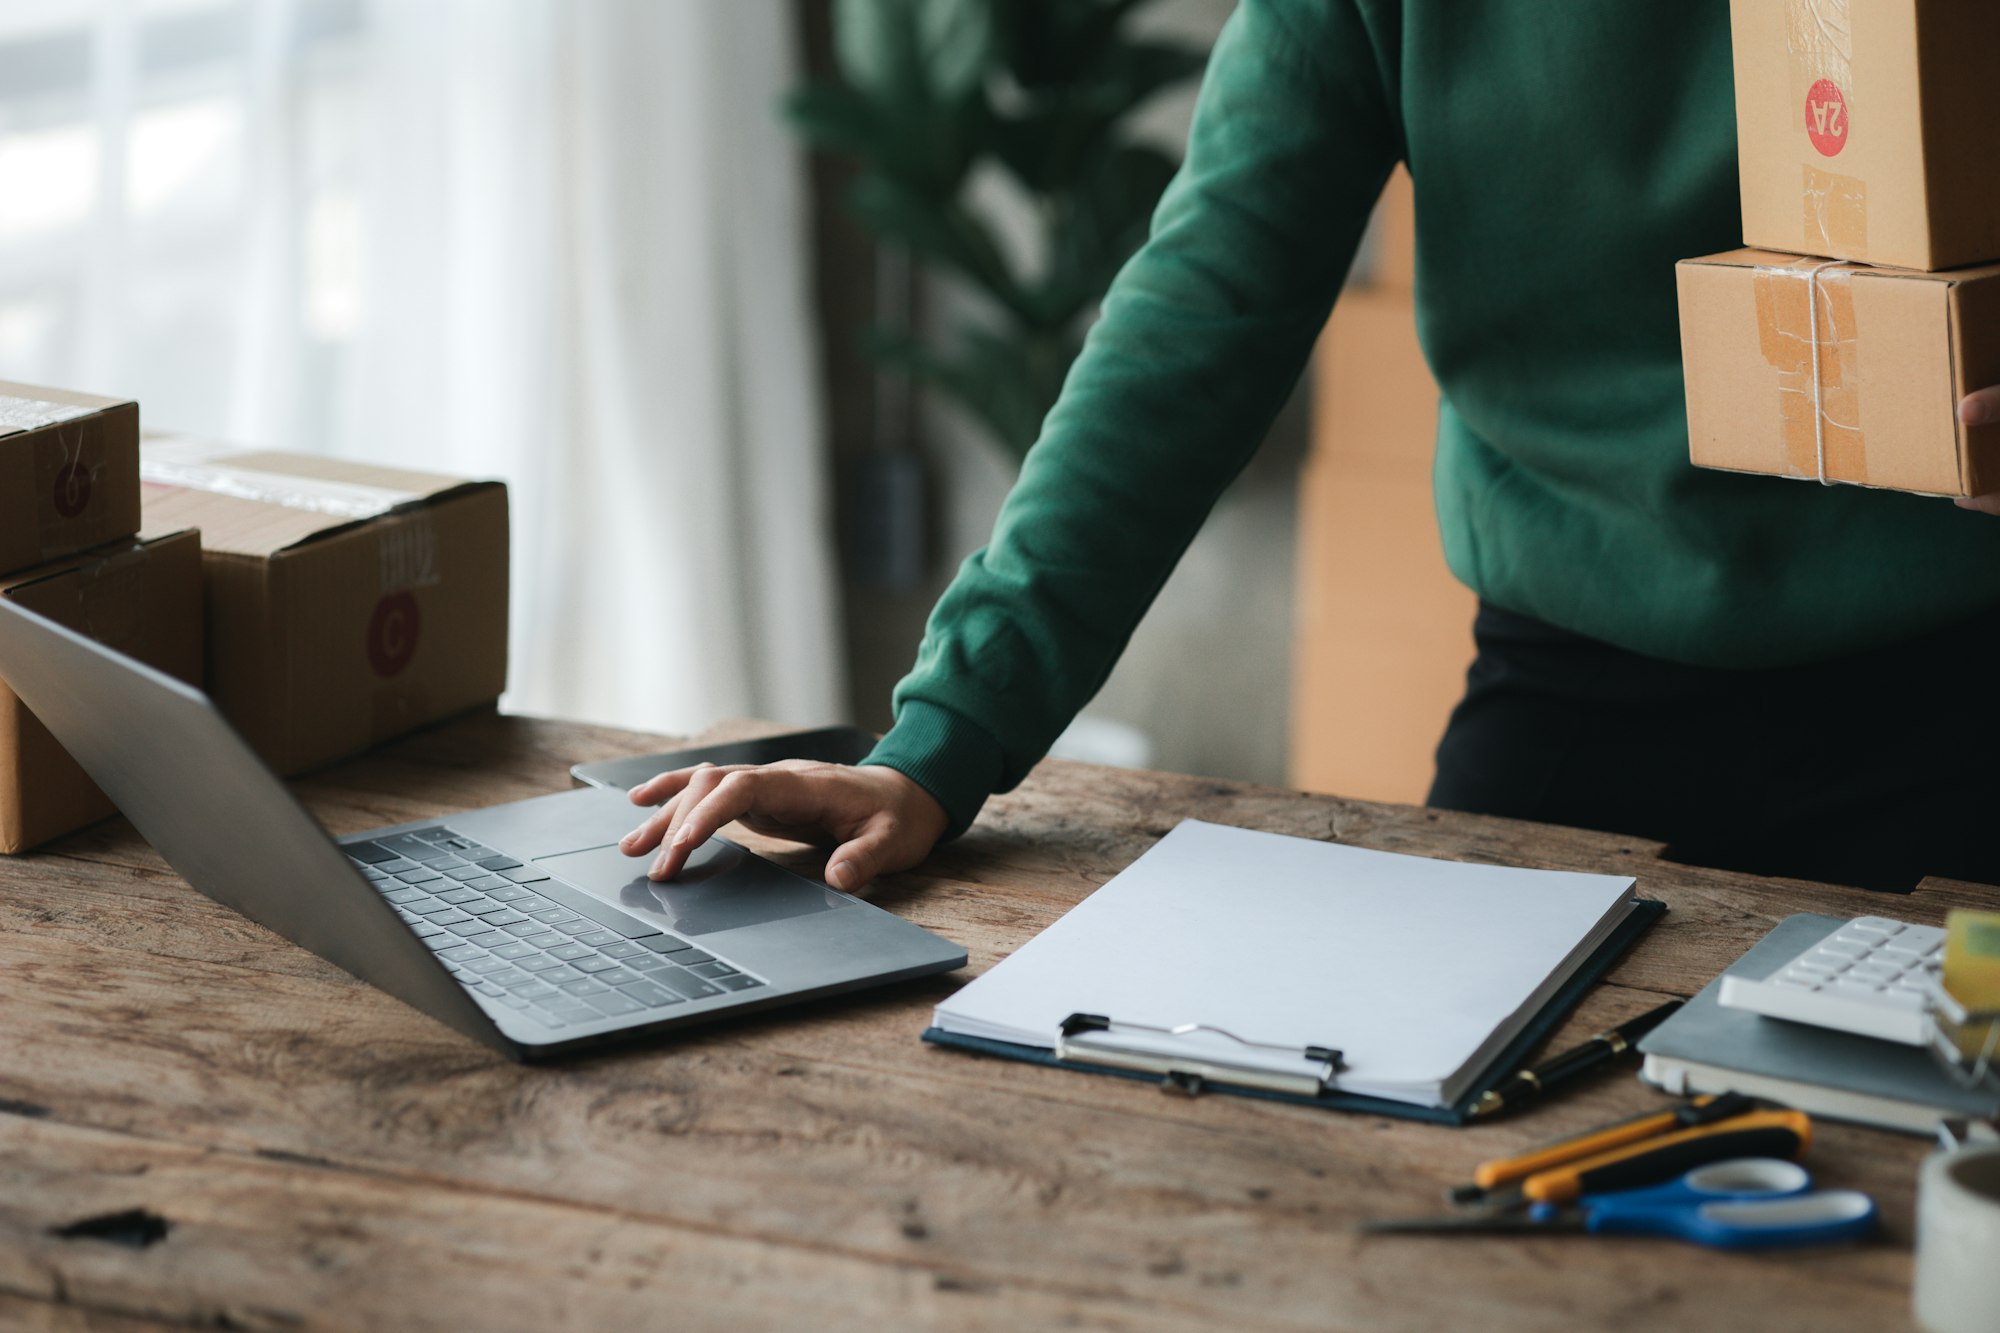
x: 521, y: 925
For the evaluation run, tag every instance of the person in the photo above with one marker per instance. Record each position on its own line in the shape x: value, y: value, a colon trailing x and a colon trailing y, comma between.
x: 1765, y: 674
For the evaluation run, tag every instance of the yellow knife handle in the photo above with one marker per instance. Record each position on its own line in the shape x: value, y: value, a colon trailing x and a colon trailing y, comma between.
x: 1784, y: 1134
x: 1506, y: 1170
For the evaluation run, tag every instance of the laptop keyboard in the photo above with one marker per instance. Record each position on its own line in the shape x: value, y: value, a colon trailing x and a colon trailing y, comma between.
x: 533, y: 944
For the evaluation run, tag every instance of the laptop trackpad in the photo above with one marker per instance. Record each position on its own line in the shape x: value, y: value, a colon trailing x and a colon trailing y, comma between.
x: 722, y: 887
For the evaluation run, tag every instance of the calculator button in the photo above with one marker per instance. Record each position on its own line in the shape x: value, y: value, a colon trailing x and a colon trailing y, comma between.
x: 1839, y: 948
x: 1922, y: 937
x: 1846, y: 986
x: 1881, y: 925
x: 1870, y: 970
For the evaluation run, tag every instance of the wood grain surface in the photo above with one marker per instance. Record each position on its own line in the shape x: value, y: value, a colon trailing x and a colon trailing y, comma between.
x: 204, y: 1125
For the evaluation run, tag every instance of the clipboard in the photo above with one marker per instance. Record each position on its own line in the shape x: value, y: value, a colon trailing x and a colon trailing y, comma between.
x: 1090, y: 1044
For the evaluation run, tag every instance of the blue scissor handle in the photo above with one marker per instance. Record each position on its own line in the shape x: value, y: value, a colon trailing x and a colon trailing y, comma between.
x: 1743, y: 1224
x: 1743, y: 1203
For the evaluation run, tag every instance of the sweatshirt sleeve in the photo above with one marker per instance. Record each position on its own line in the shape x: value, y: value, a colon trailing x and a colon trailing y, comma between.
x: 1200, y: 339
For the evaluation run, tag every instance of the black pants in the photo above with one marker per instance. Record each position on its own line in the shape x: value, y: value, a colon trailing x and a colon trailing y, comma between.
x: 1873, y: 770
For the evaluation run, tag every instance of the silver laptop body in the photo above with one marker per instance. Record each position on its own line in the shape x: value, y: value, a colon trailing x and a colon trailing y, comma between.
x: 432, y: 912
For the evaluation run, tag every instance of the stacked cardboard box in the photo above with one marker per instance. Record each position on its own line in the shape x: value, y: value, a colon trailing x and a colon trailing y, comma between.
x: 69, y: 506
x: 1384, y: 632
x: 346, y: 603
x: 1839, y: 347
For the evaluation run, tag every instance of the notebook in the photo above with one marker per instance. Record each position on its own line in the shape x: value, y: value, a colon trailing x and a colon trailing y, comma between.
x: 1224, y: 948
x: 1707, y: 1048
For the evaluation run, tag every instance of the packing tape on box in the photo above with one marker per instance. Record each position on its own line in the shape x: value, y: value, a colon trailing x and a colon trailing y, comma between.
x: 408, y: 551
x: 1819, y: 45
x: 208, y: 465
x: 1818, y: 381
x: 19, y: 414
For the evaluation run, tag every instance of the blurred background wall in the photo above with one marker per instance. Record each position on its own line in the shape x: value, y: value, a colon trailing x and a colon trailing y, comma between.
x: 565, y: 244
x: 570, y: 243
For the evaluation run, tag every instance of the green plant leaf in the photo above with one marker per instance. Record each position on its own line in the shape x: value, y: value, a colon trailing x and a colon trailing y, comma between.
x: 955, y: 43
x: 944, y: 232
x: 1006, y: 383
x: 838, y: 119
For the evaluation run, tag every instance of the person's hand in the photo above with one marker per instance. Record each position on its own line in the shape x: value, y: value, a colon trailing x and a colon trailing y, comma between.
x: 879, y: 820
x: 1980, y: 409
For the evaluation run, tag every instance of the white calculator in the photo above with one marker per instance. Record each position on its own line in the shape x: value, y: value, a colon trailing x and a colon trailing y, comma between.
x: 1871, y: 976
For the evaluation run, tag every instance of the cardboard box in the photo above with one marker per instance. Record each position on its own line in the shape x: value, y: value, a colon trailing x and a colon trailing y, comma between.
x: 1865, y: 129
x: 1812, y: 368
x: 346, y: 603
x: 69, y: 473
x: 142, y: 597
x: 1383, y: 630
x: 1387, y: 259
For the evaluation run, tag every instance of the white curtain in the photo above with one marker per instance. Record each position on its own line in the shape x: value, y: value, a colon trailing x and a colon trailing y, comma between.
x: 562, y: 242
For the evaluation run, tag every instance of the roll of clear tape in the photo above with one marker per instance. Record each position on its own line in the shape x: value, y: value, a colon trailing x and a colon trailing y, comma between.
x: 1957, y: 1287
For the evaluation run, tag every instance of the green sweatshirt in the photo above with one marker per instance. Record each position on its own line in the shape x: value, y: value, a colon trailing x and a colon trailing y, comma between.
x: 1564, y: 156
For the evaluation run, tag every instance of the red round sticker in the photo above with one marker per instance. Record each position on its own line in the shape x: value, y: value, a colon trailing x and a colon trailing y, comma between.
x: 1826, y: 117
x: 72, y: 490
x: 392, y: 633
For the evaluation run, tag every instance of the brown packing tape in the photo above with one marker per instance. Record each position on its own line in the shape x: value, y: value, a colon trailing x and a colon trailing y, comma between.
x: 1807, y: 333
x: 409, y: 551
x: 1836, y: 210
x: 1819, y: 46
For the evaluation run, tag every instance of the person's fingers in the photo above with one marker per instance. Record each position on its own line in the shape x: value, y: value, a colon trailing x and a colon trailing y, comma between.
x: 1985, y: 504
x: 647, y: 836
x: 659, y: 825
x: 697, y: 790
x: 729, y: 797
x: 663, y: 786
x: 861, y: 858
x: 1981, y: 408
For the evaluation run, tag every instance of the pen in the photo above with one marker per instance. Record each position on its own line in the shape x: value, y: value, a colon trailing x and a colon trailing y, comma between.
x: 1525, y: 1085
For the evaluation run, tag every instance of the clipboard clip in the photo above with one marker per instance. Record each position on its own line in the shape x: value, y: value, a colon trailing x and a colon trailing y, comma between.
x: 1095, y: 1039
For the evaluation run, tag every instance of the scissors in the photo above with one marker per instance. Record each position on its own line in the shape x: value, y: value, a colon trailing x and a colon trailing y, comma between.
x: 1740, y: 1204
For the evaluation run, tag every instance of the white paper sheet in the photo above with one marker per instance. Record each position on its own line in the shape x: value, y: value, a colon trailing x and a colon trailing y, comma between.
x: 1417, y: 970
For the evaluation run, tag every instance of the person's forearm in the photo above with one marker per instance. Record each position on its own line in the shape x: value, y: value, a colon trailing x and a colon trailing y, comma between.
x: 1201, y: 339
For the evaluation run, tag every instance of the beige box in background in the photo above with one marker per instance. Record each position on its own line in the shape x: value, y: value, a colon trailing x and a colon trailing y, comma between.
x: 141, y: 597
x: 346, y: 603
x: 1794, y: 365
x: 1865, y: 129
x: 69, y: 473
x: 1382, y: 632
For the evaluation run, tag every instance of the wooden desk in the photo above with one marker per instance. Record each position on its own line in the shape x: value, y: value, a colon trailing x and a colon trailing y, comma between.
x: 325, y: 1157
